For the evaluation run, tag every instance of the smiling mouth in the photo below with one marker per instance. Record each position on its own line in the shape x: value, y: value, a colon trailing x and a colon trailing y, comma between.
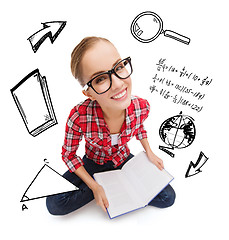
x: 120, y: 95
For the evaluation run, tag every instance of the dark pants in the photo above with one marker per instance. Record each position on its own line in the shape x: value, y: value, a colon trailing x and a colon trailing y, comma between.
x: 68, y: 202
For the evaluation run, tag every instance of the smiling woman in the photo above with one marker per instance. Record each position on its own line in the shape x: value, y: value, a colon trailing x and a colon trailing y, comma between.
x: 97, y: 61
x: 109, y: 109
x: 101, y: 82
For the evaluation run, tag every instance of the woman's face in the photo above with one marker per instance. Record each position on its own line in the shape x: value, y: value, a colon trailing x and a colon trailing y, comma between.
x: 101, y: 57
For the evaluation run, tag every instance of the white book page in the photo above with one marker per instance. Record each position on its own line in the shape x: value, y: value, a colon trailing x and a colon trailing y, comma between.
x: 120, y: 194
x: 147, y: 179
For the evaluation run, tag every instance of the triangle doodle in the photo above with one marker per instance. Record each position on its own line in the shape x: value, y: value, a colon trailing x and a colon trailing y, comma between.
x: 47, y: 182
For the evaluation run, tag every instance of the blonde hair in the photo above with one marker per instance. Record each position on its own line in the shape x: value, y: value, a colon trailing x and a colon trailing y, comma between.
x: 78, y: 53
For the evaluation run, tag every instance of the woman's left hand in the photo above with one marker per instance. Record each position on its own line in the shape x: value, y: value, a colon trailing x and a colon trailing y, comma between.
x: 155, y: 159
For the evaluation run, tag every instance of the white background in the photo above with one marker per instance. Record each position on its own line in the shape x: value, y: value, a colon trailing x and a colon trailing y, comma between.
x: 201, y: 206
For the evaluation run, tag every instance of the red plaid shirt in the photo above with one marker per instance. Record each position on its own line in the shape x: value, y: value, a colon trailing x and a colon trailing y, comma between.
x: 86, y: 120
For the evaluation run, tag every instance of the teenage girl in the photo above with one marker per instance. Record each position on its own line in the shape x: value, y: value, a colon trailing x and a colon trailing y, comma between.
x: 107, y: 119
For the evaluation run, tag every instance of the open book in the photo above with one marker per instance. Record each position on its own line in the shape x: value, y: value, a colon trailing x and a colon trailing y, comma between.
x: 134, y: 186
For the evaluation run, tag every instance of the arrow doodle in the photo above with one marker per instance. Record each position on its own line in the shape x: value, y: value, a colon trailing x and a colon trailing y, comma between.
x: 194, y: 168
x: 50, y: 29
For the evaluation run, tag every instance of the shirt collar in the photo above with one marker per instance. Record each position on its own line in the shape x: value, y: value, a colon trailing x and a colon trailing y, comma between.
x: 98, y: 113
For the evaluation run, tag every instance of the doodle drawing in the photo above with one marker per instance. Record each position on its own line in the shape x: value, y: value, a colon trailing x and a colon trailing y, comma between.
x: 50, y: 30
x: 177, y: 132
x: 33, y: 101
x: 194, y: 168
x: 147, y: 26
x: 47, y: 182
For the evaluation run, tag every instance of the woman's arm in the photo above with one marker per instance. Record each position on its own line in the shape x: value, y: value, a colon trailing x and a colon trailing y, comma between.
x: 97, y: 189
x: 152, y: 157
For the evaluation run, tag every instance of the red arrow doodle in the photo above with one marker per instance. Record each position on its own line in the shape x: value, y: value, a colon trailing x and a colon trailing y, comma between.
x: 50, y: 30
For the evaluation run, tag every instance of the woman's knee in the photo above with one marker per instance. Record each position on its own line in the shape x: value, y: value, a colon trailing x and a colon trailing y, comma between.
x: 171, y: 196
x: 55, y: 205
x: 165, y: 198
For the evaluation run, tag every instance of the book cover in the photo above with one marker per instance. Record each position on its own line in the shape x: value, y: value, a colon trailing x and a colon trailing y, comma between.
x: 32, y: 98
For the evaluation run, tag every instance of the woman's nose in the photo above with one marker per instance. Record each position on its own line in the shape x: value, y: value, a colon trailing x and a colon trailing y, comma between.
x: 116, y: 82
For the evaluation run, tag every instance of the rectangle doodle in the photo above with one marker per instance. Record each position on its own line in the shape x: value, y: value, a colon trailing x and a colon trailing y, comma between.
x: 33, y: 101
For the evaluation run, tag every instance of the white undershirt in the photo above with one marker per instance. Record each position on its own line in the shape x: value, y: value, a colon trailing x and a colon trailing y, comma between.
x: 114, y: 139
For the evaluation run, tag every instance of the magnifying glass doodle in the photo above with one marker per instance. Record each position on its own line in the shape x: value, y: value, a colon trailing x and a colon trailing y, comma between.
x: 147, y: 26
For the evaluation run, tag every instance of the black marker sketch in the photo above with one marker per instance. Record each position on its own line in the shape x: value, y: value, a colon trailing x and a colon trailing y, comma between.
x: 50, y: 29
x: 164, y: 67
x: 47, y: 182
x: 177, y: 132
x: 194, y: 168
x: 24, y: 207
x: 147, y: 26
x: 178, y: 99
x: 33, y: 101
x: 46, y: 161
x: 179, y: 85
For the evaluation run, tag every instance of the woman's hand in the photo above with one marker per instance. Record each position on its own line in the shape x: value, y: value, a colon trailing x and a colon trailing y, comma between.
x: 100, y: 197
x: 155, y: 159
x: 97, y: 189
x: 152, y: 157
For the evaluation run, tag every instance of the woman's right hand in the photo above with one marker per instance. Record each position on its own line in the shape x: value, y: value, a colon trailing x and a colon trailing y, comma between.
x: 100, y: 196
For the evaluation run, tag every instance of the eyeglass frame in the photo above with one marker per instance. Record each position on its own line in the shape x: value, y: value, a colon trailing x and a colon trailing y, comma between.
x: 109, y: 72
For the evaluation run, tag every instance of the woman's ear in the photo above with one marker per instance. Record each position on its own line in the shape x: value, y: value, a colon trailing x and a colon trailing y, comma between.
x: 87, y: 94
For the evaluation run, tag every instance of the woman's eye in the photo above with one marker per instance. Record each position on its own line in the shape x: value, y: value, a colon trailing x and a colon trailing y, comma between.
x: 100, y: 79
x: 120, y: 67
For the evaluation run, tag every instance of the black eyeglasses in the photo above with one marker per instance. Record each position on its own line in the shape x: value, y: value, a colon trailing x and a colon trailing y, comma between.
x: 103, y: 81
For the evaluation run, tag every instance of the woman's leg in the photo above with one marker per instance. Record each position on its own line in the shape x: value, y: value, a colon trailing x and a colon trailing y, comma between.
x: 64, y: 203
x: 165, y: 198
x: 68, y: 202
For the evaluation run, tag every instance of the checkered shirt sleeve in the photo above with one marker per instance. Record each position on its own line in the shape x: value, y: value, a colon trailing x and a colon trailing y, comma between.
x: 141, y: 113
x: 73, y: 136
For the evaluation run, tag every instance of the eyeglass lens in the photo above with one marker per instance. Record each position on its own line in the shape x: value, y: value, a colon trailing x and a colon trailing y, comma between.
x: 102, y: 82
